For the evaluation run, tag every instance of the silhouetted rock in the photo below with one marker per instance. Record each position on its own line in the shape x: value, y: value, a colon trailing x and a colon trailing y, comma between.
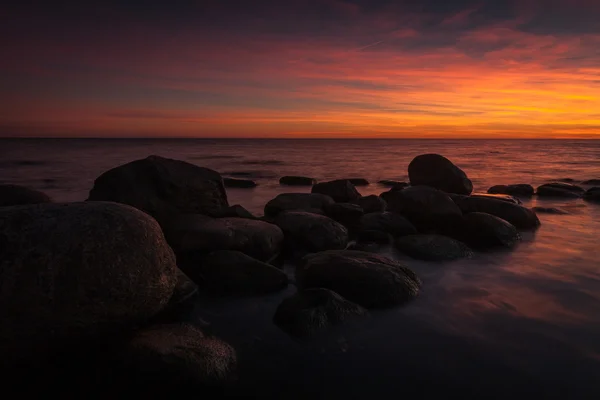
x: 519, y: 216
x: 393, y: 184
x: 392, y: 223
x: 162, y: 187
x: 503, y: 197
x: 345, y: 213
x: 181, y: 302
x: 559, y: 189
x: 521, y: 189
x: 310, y: 202
x: 311, y: 311
x: 370, y: 280
x: 374, y: 236
x: 297, y: 181
x: 371, y: 247
x: 15, y: 195
x: 307, y: 232
x: 549, y: 210
x: 358, y: 181
x: 566, y: 180
x: 483, y: 231
x: 432, y: 247
x: 438, y: 172
x: 78, y: 271
x: 239, y: 183
x: 234, y: 211
x: 341, y: 190
x: 593, y: 194
x: 372, y: 203
x: 591, y: 182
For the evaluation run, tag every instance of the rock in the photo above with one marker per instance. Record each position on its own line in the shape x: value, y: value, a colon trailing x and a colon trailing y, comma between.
x: 503, y: 197
x: 370, y: 247
x: 181, y: 302
x: 297, y: 181
x: 78, y: 271
x: 310, y: 202
x: 234, y: 211
x: 483, y: 231
x: 311, y: 311
x: 559, y: 189
x: 15, y: 195
x: 519, y: 216
x: 374, y: 236
x: 392, y: 223
x: 393, y: 184
x: 440, y: 173
x: 307, y: 232
x: 591, y: 182
x: 370, y: 280
x: 168, y: 356
x: 233, y: 272
x: 593, y: 194
x: 566, y: 180
x: 162, y: 187
x: 549, y: 210
x: 358, y: 181
x: 521, y: 190
x: 345, y: 213
x: 341, y: 190
x: 195, y: 235
x: 425, y: 207
x: 432, y: 247
x: 239, y: 183
x: 372, y: 203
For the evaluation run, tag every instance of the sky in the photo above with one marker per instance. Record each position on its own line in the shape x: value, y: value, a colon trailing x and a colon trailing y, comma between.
x: 315, y: 69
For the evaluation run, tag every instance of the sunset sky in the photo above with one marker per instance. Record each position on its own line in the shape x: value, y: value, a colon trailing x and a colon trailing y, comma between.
x: 330, y: 68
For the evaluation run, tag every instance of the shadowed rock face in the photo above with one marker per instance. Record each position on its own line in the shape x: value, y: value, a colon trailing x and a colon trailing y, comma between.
x: 307, y: 232
x: 432, y: 247
x: 483, y: 231
x: 345, y: 213
x: 519, y: 216
x: 79, y: 270
x: 162, y: 187
x: 311, y: 202
x: 388, y: 222
x: 311, y: 311
x: 341, y: 190
x: 438, y: 172
x: 372, y: 203
x: 15, y: 195
x: 521, y: 189
x: 560, y: 189
x: 370, y: 280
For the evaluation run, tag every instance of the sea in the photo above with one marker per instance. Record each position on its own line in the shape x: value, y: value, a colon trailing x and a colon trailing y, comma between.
x: 523, y: 323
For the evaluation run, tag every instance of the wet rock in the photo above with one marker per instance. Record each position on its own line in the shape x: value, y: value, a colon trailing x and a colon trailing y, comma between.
x: 345, y: 213
x: 592, y: 194
x: 312, y: 311
x: 484, y: 231
x: 388, y: 222
x: 521, y: 190
x: 438, y: 172
x: 519, y: 216
x: 566, y: 180
x: 370, y: 280
x: 162, y: 187
x: 503, y: 197
x: 234, y: 211
x: 425, y: 207
x: 78, y: 271
x: 239, y: 183
x: 307, y: 232
x: 297, y: 181
x: 181, y: 302
x: 372, y: 203
x: 549, y: 210
x: 374, y: 236
x: 393, y: 184
x: 341, y: 190
x: 310, y: 202
x: 591, y: 182
x: 432, y: 247
x: 559, y: 189
x: 15, y: 195
x: 370, y: 247
x: 358, y: 181
x: 195, y: 235
x: 233, y: 272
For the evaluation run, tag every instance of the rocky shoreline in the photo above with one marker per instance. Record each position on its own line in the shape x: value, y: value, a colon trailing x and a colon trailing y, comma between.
x: 118, y: 271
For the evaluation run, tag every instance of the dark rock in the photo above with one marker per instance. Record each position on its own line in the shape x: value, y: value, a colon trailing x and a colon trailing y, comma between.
x: 370, y: 247
x: 15, y: 195
x: 239, y: 183
x: 566, y: 180
x: 297, y: 181
x: 78, y: 271
x: 503, y: 197
x: 358, y: 181
x: 310, y: 202
x: 483, y: 231
x: 549, y: 210
x: 388, y: 222
x: 162, y: 187
x: 370, y: 280
x: 181, y: 303
x: 307, y: 232
x: 559, y: 189
x: 374, y: 236
x: 233, y: 272
x: 372, y: 203
x: 593, y: 194
x: 425, y: 207
x: 341, y: 190
x: 234, y: 211
x: 393, y: 184
x: 432, y: 247
x: 438, y: 172
x: 345, y: 213
x: 521, y: 190
x: 591, y: 182
x: 311, y: 311
x: 519, y: 216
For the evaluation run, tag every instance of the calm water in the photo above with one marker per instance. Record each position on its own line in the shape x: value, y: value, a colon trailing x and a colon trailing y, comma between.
x: 524, y: 323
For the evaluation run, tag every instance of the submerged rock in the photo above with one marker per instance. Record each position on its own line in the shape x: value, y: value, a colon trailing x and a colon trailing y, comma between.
x: 549, y: 210
x: 591, y: 182
x: 297, y: 181
x: 162, y: 187
x: 521, y: 189
x: 307, y: 232
x: 438, y: 172
x: 15, y: 195
x: 393, y: 184
x: 358, y: 181
x: 392, y: 223
x: 432, y: 247
x: 559, y: 189
x: 310, y: 202
x: 483, y: 231
x: 592, y: 194
x: 372, y: 203
x: 341, y: 190
x: 519, y: 216
x: 311, y: 311
x: 239, y: 183
x: 566, y: 180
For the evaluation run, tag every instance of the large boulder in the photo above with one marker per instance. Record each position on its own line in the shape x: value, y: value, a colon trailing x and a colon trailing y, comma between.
x: 15, y: 195
x: 78, y: 271
x: 307, y: 232
x: 388, y: 222
x: 239, y: 183
x: 311, y: 311
x: 592, y: 194
x: 427, y: 208
x: 233, y: 272
x: 162, y: 187
x: 196, y: 235
x: 358, y: 181
x: 503, y: 197
x: 438, y: 172
x: 591, y: 182
x: 345, y: 213
x: 234, y: 211
x: 372, y: 203
x: 560, y: 189
x: 340, y: 190
x: 432, y: 247
x: 370, y: 280
x: 482, y: 231
x: 520, y: 189
x: 310, y: 202
x: 297, y: 181
x: 517, y: 215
